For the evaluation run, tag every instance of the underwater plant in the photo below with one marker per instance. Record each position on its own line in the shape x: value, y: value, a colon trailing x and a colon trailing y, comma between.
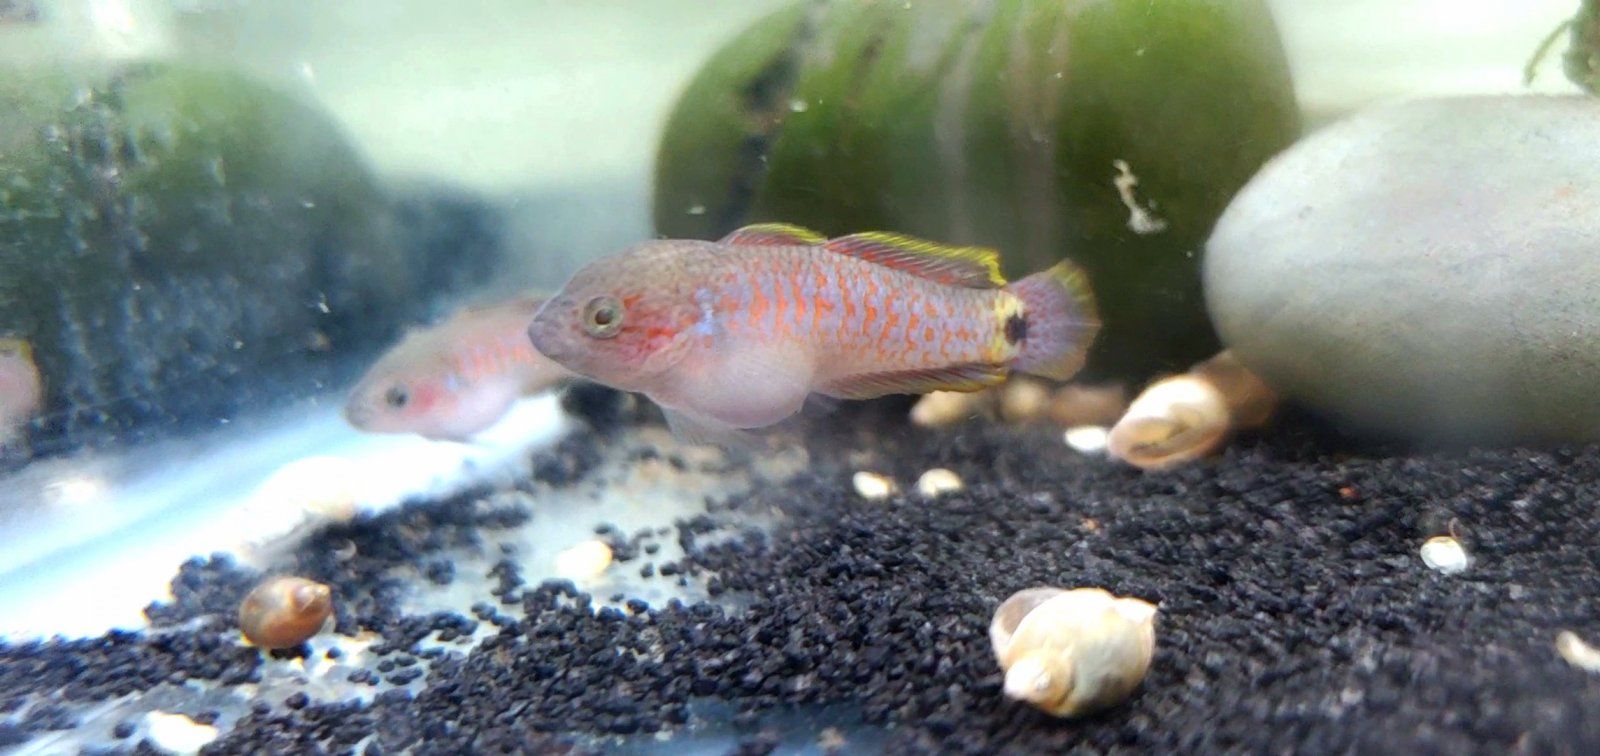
x: 1581, y: 61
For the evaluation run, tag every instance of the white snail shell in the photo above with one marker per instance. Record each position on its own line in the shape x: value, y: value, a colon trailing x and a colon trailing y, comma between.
x: 1176, y: 420
x: 938, y: 482
x: 941, y: 408
x: 1023, y: 400
x: 1072, y: 652
x: 1189, y: 416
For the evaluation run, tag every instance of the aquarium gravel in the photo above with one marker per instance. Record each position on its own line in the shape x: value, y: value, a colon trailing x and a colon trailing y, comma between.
x: 1295, y: 611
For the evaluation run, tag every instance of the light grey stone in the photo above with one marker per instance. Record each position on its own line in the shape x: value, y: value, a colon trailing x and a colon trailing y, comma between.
x: 1427, y: 270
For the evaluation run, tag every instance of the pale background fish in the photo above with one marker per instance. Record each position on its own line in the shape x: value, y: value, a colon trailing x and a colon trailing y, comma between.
x: 21, y: 389
x: 736, y: 334
x: 454, y: 379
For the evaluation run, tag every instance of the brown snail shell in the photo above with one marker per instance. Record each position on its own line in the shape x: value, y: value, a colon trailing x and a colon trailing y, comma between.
x: 283, y: 612
x: 1072, y: 652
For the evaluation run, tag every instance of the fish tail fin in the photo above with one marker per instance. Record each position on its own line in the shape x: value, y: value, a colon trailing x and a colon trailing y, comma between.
x: 1057, y: 324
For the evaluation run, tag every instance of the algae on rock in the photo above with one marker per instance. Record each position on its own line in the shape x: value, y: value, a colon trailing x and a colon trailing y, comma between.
x: 173, y: 239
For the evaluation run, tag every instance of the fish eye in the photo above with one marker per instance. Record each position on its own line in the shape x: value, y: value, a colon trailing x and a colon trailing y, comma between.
x: 396, y: 397
x: 602, y: 317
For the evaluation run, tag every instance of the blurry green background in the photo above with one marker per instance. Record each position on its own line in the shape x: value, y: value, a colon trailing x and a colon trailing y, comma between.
x: 494, y: 145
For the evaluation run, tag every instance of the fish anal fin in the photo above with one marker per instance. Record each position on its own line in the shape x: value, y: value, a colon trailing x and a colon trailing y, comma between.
x: 971, y: 376
x: 970, y: 267
x: 773, y: 235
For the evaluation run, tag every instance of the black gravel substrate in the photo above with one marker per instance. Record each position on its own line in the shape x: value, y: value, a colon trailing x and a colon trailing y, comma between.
x: 1295, y: 615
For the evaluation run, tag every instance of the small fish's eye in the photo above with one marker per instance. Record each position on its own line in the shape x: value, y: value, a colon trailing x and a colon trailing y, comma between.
x: 602, y: 317
x: 396, y: 397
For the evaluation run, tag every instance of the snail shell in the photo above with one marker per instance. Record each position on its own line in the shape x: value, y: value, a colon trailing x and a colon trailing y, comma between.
x: 1023, y: 400
x: 1186, y: 417
x: 283, y: 612
x: 1072, y: 652
x: 1078, y: 404
x: 941, y: 408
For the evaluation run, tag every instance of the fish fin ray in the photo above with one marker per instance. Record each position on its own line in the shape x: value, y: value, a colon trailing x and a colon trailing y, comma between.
x: 970, y: 267
x: 821, y: 404
x: 703, y: 431
x: 773, y: 235
x: 1059, y: 321
x: 526, y: 300
x: 969, y: 376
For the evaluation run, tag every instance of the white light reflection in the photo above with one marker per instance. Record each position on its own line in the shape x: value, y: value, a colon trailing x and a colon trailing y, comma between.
x: 76, y: 491
x: 107, y: 544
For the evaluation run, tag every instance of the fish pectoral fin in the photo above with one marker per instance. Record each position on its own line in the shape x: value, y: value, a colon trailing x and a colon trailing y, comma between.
x: 970, y: 267
x: 704, y: 431
x: 744, y: 385
x: 818, y: 405
x: 970, y: 376
x: 773, y: 235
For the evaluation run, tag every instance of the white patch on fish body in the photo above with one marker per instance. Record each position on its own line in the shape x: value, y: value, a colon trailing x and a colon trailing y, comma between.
x: 707, y: 325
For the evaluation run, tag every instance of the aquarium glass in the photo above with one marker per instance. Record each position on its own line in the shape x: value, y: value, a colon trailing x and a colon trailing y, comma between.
x: 668, y: 376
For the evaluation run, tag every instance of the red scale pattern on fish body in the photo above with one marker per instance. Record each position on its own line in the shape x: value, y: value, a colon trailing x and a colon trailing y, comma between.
x: 854, y: 316
x: 495, y: 355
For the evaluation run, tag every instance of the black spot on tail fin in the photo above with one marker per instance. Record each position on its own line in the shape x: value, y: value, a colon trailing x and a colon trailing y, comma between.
x: 1058, y: 322
x: 1016, y: 329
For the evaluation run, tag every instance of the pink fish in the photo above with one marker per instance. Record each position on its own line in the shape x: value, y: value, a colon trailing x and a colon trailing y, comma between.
x: 21, y: 388
x: 734, y: 335
x: 454, y: 379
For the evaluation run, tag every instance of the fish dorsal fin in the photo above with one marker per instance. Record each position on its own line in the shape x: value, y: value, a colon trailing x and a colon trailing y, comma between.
x: 523, y: 300
x: 970, y: 267
x: 970, y: 376
x: 774, y: 235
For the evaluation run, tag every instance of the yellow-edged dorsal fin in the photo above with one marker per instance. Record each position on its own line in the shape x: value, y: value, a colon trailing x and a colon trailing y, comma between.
x: 774, y: 235
x: 970, y: 267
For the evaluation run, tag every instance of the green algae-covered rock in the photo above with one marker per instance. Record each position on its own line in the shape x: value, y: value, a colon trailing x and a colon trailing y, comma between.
x: 1582, y: 59
x: 173, y: 240
x: 1001, y: 123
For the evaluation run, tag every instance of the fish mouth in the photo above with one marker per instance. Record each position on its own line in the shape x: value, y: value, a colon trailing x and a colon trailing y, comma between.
x: 546, y: 332
x: 357, y: 414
